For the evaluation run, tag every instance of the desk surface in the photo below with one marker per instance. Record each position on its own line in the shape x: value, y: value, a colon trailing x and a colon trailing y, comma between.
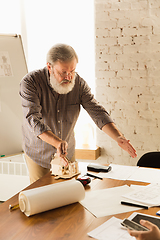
x: 71, y: 222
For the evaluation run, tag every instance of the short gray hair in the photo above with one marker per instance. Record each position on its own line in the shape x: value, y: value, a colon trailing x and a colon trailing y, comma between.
x: 61, y: 52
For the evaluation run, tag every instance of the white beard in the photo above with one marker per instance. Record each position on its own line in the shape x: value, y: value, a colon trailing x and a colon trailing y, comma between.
x: 60, y: 87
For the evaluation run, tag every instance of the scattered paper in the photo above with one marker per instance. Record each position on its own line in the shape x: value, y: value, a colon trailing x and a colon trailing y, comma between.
x: 148, y: 175
x: 111, y: 230
x: 120, y: 172
x: 148, y: 195
x: 107, y: 202
x: 133, y: 173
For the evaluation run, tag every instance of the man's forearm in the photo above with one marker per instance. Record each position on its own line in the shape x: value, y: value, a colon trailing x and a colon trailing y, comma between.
x: 50, y: 138
x: 58, y: 143
x: 112, y: 131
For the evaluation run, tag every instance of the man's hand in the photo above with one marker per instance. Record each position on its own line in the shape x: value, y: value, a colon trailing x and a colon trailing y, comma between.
x: 62, y: 152
x: 111, y: 130
x: 152, y: 234
x: 55, y: 141
x: 125, y: 145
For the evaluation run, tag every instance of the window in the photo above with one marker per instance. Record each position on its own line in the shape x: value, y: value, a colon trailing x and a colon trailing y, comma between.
x: 47, y: 22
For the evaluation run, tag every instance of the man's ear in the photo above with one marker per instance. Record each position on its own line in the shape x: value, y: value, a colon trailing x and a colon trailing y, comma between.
x: 49, y: 67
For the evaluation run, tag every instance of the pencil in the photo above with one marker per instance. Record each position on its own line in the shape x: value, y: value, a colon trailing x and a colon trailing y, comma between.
x: 13, y: 207
x: 91, y: 175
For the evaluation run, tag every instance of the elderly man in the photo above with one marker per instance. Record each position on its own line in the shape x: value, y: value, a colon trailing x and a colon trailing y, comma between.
x: 51, y: 99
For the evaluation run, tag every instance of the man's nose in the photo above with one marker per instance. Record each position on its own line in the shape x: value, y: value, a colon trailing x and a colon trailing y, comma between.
x: 68, y: 76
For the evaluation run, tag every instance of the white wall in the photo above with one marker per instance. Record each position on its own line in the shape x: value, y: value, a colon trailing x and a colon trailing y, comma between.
x: 127, y: 74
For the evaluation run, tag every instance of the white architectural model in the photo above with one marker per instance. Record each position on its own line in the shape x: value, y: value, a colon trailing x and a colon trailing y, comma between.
x: 61, y: 171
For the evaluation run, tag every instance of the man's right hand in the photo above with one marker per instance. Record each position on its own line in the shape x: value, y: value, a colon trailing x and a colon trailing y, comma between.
x: 62, y: 152
x: 55, y: 141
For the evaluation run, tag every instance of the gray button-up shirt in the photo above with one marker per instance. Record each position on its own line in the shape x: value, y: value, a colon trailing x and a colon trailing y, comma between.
x: 44, y: 109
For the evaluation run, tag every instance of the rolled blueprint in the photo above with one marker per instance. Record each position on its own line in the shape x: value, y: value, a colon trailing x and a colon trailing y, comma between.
x: 52, y: 196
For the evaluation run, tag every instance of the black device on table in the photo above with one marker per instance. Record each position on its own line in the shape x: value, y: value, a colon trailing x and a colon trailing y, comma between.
x: 84, y: 180
x: 133, y: 225
x: 98, y: 168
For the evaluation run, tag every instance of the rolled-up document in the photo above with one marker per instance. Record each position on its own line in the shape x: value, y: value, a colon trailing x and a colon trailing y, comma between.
x: 52, y: 196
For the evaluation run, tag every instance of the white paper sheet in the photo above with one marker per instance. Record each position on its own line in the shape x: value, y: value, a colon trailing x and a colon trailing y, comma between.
x: 135, y: 187
x: 148, y: 175
x: 133, y: 173
x: 110, y: 230
x: 52, y: 196
x: 148, y: 195
x: 120, y: 172
x: 107, y: 202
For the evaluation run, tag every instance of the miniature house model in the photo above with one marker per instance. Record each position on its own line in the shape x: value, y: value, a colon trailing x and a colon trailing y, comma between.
x: 64, y: 171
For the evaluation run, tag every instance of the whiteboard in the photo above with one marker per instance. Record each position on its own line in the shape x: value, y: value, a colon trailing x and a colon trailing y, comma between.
x: 12, y: 68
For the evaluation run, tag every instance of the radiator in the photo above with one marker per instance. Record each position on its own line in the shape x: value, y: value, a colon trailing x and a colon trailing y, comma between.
x: 13, y: 165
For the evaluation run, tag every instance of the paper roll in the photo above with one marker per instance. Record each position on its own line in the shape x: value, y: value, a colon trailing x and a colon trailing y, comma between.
x: 52, y: 196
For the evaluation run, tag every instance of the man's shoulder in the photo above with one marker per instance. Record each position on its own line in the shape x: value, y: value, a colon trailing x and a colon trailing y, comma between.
x: 81, y: 82
x: 37, y: 73
x: 37, y: 78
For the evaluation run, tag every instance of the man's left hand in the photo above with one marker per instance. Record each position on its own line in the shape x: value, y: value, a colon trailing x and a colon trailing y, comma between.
x: 125, y: 145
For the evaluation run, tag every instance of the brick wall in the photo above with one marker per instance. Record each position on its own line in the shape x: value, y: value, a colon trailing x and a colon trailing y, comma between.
x: 127, y: 47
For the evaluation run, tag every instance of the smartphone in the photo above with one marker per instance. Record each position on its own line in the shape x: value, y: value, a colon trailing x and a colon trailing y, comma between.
x: 133, y: 225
